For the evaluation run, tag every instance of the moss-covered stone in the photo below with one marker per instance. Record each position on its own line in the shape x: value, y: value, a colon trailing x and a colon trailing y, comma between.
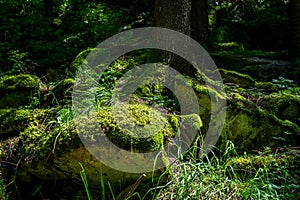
x: 284, y: 106
x: 267, y: 86
x: 193, y: 120
x: 14, y: 121
x: 18, y: 90
x: 63, y: 91
x: 140, y: 130
x: 80, y: 59
x: 251, y: 128
x: 248, y: 125
x: 241, y: 80
x: 249, y: 166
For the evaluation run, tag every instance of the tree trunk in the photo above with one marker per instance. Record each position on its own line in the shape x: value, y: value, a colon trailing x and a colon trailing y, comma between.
x: 199, y: 22
x: 174, y: 15
x: 294, y: 43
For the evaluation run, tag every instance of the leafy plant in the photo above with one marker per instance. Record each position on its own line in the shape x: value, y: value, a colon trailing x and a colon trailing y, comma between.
x: 283, y: 83
x: 3, y: 194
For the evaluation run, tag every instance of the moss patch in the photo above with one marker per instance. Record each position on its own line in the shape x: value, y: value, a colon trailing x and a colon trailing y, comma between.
x: 286, y: 161
x: 14, y: 121
x: 63, y: 91
x: 241, y: 80
x: 250, y: 128
x: 17, y: 90
x: 138, y: 131
x: 284, y: 106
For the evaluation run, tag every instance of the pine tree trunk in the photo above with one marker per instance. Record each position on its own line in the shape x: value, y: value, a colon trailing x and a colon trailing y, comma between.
x: 199, y: 22
x: 174, y: 15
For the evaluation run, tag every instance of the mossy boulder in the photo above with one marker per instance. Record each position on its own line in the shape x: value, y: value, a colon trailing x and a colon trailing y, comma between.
x: 266, y: 161
x: 248, y: 125
x: 18, y: 90
x: 232, y: 77
x: 62, y: 91
x: 14, y: 121
x: 250, y: 128
x: 142, y: 129
x: 77, y: 62
x: 51, y: 150
x: 284, y: 106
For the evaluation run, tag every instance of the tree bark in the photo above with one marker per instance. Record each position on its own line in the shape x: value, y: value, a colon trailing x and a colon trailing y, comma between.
x: 199, y: 22
x: 294, y: 20
x: 174, y: 15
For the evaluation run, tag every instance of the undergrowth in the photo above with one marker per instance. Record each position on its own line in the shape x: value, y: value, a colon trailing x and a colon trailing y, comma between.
x: 228, y: 175
x: 266, y: 175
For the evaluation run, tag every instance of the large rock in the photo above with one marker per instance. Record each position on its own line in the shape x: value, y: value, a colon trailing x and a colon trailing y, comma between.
x: 51, y: 150
x: 18, y: 90
x: 252, y: 121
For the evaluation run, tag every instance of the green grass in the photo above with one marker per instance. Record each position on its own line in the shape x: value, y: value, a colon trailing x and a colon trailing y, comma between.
x: 264, y: 175
x: 231, y: 176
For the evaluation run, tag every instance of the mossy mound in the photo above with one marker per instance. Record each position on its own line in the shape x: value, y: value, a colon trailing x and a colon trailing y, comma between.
x: 14, y: 121
x: 62, y: 91
x: 282, y: 161
x: 133, y: 127
x: 78, y: 61
x: 248, y: 125
x: 250, y: 128
x: 284, y: 106
x: 51, y: 150
x: 232, y: 77
x: 266, y: 86
x: 18, y: 90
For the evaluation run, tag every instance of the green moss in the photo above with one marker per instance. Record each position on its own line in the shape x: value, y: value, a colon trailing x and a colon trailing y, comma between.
x: 242, y: 80
x: 19, y: 82
x: 14, y: 121
x: 249, y: 166
x: 139, y: 131
x: 237, y: 96
x: 174, y: 122
x: 193, y: 120
x: 18, y: 90
x: 284, y: 106
x: 80, y: 59
x: 267, y: 86
x: 40, y: 140
x: 254, y: 129
x: 62, y: 91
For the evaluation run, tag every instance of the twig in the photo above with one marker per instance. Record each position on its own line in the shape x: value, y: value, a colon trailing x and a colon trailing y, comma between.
x: 55, y: 141
x: 135, y: 185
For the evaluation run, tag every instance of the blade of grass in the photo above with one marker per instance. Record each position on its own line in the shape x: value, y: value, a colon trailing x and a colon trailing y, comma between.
x: 85, y: 182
